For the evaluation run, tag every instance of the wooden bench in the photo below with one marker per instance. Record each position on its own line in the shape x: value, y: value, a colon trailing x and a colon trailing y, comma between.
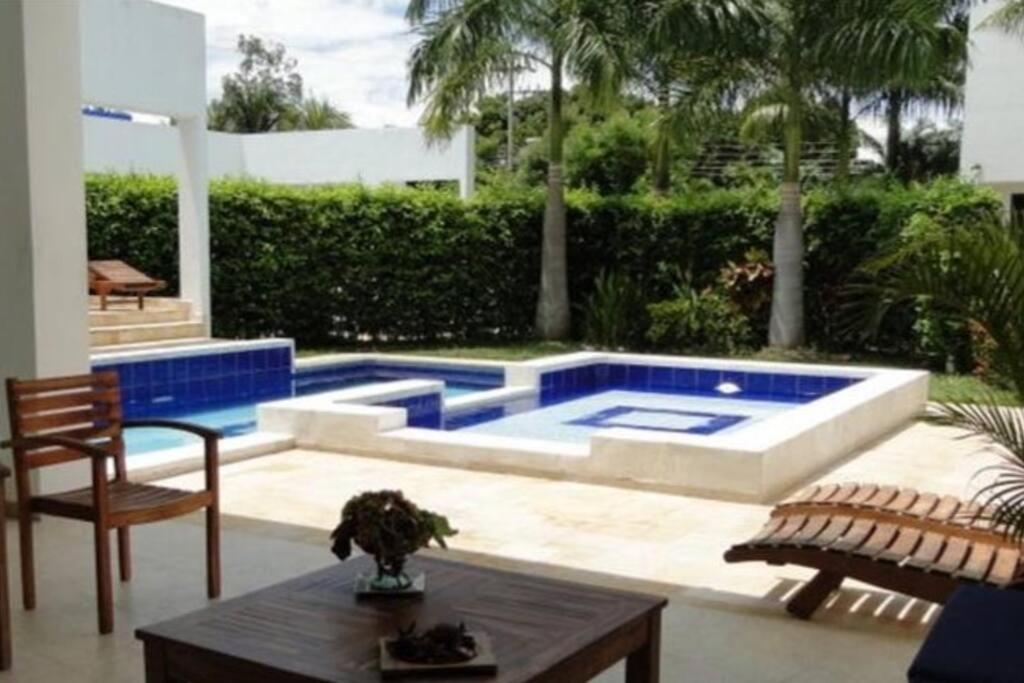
x: 921, y: 544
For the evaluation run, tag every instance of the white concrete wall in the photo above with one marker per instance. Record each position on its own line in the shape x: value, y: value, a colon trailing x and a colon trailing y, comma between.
x: 993, y: 142
x: 143, y: 56
x: 43, y: 301
x: 124, y: 147
x: 389, y: 155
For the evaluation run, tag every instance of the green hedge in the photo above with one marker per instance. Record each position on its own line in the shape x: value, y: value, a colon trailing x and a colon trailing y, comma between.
x: 336, y: 264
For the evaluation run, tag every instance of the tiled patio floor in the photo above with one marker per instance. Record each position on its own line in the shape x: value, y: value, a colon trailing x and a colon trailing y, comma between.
x: 724, y: 623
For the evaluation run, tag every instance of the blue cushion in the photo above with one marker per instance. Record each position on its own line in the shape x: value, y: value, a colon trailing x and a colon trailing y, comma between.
x: 976, y: 639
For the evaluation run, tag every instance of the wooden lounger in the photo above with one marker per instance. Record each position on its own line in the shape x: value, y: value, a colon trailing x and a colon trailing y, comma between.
x: 920, y: 544
x: 110, y: 277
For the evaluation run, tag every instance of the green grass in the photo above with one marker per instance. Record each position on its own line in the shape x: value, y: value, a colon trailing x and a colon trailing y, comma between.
x: 942, y: 387
x: 953, y: 388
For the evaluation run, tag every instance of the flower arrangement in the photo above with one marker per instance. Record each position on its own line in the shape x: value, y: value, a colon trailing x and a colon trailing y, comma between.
x: 388, y: 526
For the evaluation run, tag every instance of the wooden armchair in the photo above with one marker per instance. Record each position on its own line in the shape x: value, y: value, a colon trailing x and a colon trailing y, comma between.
x: 60, y: 420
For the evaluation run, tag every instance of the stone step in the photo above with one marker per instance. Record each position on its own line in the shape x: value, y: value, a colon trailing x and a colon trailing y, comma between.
x: 133, y: 334
x: 124, y: 311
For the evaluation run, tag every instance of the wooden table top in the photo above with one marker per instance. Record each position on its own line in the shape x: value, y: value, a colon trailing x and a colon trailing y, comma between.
x: 313, y: 627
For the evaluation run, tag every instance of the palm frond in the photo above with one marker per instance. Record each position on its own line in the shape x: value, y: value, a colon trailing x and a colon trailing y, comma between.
x: 1009, y: 18
x: 1001, y: 497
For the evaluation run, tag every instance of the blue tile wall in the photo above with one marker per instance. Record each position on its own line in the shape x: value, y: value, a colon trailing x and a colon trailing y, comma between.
x: 423, y: 410
x: 309, y: 381
x: 172, y: 385
x: 571, y: 382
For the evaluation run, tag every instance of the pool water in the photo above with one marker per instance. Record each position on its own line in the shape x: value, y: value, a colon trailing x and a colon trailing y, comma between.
x: 239, y: 419
x: 576, y: 419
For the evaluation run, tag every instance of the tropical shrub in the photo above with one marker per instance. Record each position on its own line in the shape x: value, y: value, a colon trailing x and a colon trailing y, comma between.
x: 614, y: 316
x: 609, y: 157
x: 697, y: 321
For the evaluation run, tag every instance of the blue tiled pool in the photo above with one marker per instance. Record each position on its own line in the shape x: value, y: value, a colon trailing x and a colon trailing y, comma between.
x: 233, y: 415
x: 576, y: 402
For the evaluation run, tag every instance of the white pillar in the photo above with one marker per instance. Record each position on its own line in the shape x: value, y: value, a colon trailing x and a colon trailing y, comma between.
x: 43, y: 296
x: 194, y: 217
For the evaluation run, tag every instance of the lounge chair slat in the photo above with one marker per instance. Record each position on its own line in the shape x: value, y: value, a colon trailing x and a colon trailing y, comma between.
x: 952, y: 557
x: 837, y: 526
x: 923, y: 506
x: 878, y: 541
x: 1005, y: 566
x: 810, y: 530
x: 863, y: 495
x: 844, y: 493
x: 903, y: 500
x: 946, y: 509
x: 824, y: 493
x: 978, y: 562
x: 857, y: 534
x: 967, y: 515
x: 793, y: 524
x: 903, y: 547
x: 926, y: 552
x: 883, y: 496
x: 767, y: 530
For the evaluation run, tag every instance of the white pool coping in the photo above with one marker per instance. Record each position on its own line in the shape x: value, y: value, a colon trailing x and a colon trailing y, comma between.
x: 202, y: 349
x: 756, y: 463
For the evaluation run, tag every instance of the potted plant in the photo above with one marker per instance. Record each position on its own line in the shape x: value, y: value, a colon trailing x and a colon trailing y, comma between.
x: 388, y: 526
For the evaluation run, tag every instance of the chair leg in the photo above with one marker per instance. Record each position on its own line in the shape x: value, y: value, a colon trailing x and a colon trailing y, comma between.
x: 25, y: 547
x: 142, y: 302
x: 810, y: 597
x: 124, y: 553
x: 104, y: 587
x: 213, y: 551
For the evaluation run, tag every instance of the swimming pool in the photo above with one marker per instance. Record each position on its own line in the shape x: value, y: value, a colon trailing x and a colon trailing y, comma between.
x: 236, y: 418
x: 723, y: 428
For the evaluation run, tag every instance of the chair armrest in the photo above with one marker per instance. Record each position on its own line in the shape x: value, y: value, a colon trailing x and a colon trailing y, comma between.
x: 198, y: 430
x: 44, y: 441
x: 210, y: 438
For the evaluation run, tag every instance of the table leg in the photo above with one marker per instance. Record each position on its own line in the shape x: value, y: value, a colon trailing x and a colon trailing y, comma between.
x: 644, y: 665
x: 156, y: 663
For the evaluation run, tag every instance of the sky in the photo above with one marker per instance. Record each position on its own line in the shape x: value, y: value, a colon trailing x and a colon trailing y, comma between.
x: 351, y: 51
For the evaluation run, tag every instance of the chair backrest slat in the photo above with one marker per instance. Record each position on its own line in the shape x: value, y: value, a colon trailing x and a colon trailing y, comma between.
x: 84, y: 407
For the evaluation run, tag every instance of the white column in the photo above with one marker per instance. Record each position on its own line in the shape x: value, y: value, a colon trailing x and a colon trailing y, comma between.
x: 43, y: 296
x: 194, y: 217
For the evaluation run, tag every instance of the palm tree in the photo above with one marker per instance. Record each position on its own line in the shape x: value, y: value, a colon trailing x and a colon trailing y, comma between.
x: 465, y: 49
x: 319, y: 114
x: 686, y: 52
x: 806, y: 43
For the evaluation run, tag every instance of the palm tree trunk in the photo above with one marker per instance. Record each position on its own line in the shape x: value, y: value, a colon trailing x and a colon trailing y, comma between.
x: 786, y: 329
x: 894, y: 125
x: 844, y: 153
x: 662, y: 174
x: 553, y: 315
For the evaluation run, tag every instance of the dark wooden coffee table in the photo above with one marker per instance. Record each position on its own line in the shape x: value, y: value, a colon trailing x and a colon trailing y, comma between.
x: 312, y: 629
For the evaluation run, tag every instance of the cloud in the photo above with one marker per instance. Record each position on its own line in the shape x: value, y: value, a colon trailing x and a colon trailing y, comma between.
x: 353, y: 52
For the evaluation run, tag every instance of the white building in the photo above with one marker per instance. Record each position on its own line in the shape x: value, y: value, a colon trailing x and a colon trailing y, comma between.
x: 993, y: 141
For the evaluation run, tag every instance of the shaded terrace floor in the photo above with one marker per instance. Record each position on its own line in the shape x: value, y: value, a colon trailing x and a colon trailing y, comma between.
x: 724, y: 623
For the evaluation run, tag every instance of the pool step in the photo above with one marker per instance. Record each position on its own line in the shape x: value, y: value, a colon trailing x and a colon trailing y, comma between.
x: 109, y: 335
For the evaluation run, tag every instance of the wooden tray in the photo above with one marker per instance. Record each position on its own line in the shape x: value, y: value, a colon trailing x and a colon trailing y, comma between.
x: 484, y: 664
